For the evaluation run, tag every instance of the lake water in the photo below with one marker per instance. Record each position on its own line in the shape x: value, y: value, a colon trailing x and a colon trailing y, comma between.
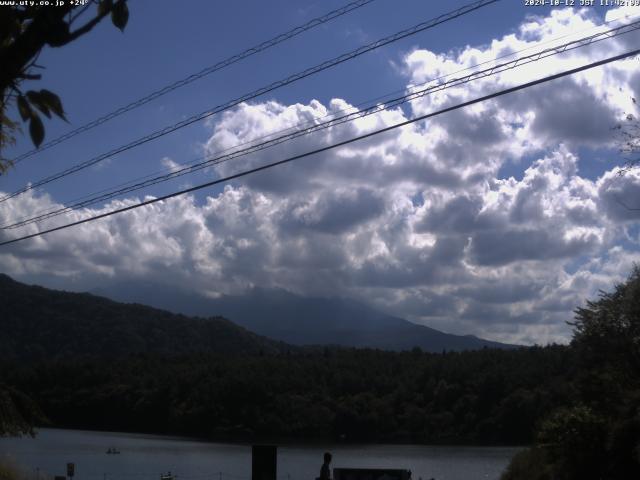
x: 146, y: 457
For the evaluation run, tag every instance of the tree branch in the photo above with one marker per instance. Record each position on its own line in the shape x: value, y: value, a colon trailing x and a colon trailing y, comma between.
x: 17, y: 55
x: 87, y: 27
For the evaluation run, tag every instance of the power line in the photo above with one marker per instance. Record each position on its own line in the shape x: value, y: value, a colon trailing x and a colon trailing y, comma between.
x: 196, y: 76
x: 203, y: 162
x: 413, y: 95
x: 336, y: 121
x: 384, y: 97
x: 261, y: 91
x: 330, y: 147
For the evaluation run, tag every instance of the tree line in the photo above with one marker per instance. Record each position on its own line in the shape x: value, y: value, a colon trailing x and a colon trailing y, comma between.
x: 485, y: 396
x: 577, y: 405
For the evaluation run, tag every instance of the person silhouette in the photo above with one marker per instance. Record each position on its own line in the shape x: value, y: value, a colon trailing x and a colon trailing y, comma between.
x: 325, y: 471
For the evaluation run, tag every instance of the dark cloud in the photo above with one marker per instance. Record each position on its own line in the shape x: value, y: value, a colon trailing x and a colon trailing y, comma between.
x: 566, y: 111
x: 527, y: 206
x: 500, y: 316
x: 620, y: 196
x: 459, y: 215
x: 334, y: 212
x: 504, y: 247
x: 421, y: 303
x: 586, y: 215
x: 468, y: 128
x: 499, y: 291
x: 409, y: 266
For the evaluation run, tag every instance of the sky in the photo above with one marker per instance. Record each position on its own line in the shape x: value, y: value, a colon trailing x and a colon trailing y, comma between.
x: 496, y: 220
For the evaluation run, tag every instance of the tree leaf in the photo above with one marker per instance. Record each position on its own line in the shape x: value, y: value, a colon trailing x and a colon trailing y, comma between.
x: 36, y: 99
x: 53, y: 102
x: 24, y: 108
x: 58, y: 33
x: 120, y: 14
x: 36, y: 130
x: 105, y: 7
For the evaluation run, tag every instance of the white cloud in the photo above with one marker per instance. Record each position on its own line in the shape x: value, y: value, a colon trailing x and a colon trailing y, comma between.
x: 416, y: 221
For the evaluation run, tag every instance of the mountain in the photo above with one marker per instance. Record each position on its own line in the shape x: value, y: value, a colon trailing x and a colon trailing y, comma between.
x: 298, y: 320
x: 37, y: 324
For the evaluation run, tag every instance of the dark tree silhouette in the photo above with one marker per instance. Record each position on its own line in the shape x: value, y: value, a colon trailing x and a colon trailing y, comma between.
x: 596, y: 435
x: 18, y: 413
x: 24, y: 32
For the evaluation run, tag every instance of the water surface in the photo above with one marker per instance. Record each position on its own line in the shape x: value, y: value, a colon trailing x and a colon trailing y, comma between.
x: 146, y: 457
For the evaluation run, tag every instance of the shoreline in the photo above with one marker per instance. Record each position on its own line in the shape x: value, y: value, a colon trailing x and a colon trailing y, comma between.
x: 280, y: 441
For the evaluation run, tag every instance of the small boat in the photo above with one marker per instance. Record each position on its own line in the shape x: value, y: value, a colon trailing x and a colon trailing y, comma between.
x: 112, y: 451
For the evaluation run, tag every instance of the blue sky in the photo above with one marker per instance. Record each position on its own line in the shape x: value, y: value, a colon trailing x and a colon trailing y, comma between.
x: 520, y: 185
x: 167, y: 41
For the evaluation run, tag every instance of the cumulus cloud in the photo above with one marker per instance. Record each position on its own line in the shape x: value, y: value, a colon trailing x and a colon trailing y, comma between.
x: 619, y: 194
x: 418, y: 222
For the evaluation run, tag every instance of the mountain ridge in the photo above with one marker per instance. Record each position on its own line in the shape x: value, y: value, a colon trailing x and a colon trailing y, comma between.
x: 287, y: 317
x: 37, y: 323
x: 156, y: 319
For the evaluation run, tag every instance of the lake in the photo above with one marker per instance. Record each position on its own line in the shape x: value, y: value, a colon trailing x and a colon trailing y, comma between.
x: 146, y: 457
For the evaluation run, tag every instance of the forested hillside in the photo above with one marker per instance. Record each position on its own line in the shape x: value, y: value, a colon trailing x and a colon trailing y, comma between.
x: 577, y: 404
x: 41, y: 324
x: 88, y: 362
x: 486, y: 396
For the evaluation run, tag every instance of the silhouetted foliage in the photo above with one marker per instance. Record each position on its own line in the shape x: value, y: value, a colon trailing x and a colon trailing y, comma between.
x: 18, y: 412
x: 9, y: 470
x: 597, y: 434
x: 530, y: 464
x: 486, y: 396
x: 24, y: 31
x: 92, y: 363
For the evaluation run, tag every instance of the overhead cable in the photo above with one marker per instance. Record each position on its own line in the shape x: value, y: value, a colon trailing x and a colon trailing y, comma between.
x: 414, y: 94
x: 256, y: 93
x: 196, y: 76
x: 329, y: 147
